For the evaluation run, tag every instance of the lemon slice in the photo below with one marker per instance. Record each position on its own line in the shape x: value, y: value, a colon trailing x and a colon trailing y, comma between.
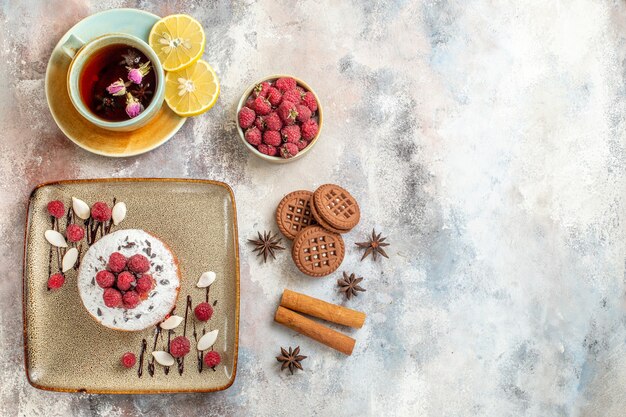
x: 178, y: 41
x: 192, y: 90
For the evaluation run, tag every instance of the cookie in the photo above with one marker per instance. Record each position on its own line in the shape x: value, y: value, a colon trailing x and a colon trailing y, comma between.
x: 294, y: 213
x: 323, y: 222
x: 337, y: 207
x: 318, y: 252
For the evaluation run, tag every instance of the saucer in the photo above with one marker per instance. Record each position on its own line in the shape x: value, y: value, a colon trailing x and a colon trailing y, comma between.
x: 84, y: 134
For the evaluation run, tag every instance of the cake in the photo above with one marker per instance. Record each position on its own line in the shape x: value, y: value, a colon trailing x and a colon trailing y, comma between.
x: 144, y: 256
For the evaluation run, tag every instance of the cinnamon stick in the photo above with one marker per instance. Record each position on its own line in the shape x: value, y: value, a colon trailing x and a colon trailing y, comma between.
x: 314, y: 330
x: 321, y: 309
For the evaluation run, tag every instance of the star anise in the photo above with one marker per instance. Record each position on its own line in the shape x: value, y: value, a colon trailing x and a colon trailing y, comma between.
x: 266, y: 244
x: 141, y: 93
x: 131, y: 58
x: 106, y: 103
x: 349, y: 285
x: 291, y: 359
x: 374, y: 246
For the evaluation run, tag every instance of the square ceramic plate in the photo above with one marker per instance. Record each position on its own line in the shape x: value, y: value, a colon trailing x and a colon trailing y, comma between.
x: 67, y: 350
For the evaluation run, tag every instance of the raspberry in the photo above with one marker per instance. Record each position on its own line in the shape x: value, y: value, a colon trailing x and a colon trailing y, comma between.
x: 268, y: 149
x: 253, y: 136
x: 292, y: 95
x: 309, y: 129
x: 261, y: 90
x: 56, y: 209
x: 291, y: 134
x: 273, y: 122
x: 128, y: 360
x: 274, y: 96
x: 56, y: 281
x: 117, y: 262
x: 212, y: 359
x: 179, y: 346
x: 285, y: 84
x: 288, y: 150
x: 112, y: 297
x: 259, y: 123
x: 261, y: 106
x: 287, y: 112
x: 304, y: 113
x: 125, y: 280
x: 74, y: 233
x: 250, y: 103
x: 131, y: 299
x: 272, y: 137
x: 105, y: 279
x: 308, y: 99
x: 144, y: 284
x: 138, y: 264
x: 301, y: 144
x: 203, y: 311
x: 246, y: 117
x: 100, y: 211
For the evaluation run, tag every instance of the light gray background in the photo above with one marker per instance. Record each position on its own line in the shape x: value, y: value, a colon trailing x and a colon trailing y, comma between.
x: 487, y: 141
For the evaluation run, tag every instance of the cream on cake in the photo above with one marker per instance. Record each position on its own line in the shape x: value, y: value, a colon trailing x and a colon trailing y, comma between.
x: 156, y: 304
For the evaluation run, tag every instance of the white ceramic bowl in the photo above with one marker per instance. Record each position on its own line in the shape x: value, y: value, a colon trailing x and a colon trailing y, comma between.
x: 278, y: 159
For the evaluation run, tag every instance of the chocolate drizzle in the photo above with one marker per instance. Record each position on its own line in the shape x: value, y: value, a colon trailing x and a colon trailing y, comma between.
x: 144, y: 347
x: 154, y: 345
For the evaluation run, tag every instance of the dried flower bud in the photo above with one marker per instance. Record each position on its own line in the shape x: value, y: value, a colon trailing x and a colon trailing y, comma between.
x: 117, y: 88
x: 136, y: 74
x: 133, y: 106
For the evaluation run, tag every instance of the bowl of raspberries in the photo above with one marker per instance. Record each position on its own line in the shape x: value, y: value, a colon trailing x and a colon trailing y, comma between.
x: 279, y: 118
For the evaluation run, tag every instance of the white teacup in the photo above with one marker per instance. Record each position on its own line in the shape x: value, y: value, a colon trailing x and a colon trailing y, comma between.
x: 80, y: 53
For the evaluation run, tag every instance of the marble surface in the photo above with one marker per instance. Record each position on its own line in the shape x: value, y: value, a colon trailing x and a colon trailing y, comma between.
x: 487, y: 141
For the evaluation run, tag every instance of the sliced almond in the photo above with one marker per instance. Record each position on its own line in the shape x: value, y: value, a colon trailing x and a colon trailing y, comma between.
x: 172, y: 322
x: 163, y: 358
x: 81, y: 209
x: 207, y: 340
x: 118, y: 212
x: 69, y: 259
x: 206, y: 279
x: 55, y: 238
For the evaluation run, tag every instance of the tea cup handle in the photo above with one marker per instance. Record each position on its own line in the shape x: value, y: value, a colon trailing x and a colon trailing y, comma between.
x: 72, y: 45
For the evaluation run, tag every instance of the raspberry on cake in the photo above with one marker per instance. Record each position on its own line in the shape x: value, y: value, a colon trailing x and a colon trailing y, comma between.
x: 145, y: 290
x: 125, y: 280
x: 130, y: 299
x: 144, y: 284
x: 112, y: 297
x: 138, y: 264
x: 117, y: 262
x: 105, y: 279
